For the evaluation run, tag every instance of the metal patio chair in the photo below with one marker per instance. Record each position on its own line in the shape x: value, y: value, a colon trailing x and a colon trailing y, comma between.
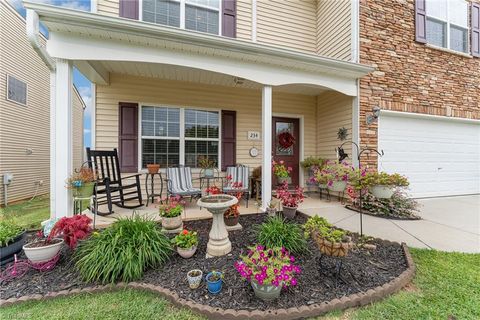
x: 238, y: 174
x: 180, y: 183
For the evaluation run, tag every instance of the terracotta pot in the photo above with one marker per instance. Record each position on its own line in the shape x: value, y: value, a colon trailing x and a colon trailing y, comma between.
x: 338, y: 186
x: 289, y: 212
x: 382, y: 191
x: 42, y: 254
x: 194, y: 281
x: 172, y: 223
x: 332, y: 249
x: 153, y: 168
x: 186, y: 253
x: 266, y: 292
x: 231, y: 221
x: 7, y: 253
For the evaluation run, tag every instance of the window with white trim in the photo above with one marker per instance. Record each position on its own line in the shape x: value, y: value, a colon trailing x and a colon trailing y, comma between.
x: 173, y: 136
x: 447, y: 24
x: 198, y: 15
x: 16, y: 90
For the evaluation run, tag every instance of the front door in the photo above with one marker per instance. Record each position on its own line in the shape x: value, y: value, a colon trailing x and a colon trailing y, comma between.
x: 286, y: 144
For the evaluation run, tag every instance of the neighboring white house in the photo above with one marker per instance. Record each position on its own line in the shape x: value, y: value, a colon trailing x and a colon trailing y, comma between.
x: 25, y: 112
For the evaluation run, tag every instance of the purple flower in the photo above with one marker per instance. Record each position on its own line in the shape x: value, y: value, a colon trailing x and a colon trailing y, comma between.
x: 275, y: 270
x: 259, y: 248
x: 292, y: 259
x: 293, y: 282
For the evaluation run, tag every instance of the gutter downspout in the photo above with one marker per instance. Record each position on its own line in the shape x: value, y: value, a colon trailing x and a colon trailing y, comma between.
x: 33, y: 35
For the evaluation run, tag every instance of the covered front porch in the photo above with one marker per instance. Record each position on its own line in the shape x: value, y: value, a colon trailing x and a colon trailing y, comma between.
x: 156, y: 69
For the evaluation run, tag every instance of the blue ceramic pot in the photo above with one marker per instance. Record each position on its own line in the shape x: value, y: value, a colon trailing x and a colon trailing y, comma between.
x: 214, y: 287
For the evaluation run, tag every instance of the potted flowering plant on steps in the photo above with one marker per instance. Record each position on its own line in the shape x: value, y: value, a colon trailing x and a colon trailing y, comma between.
x: 268, y: 271
x: 186, y: 243
x: 82, y: 182
x: 171, y: 213
x: 289, y: 200
x: 12, y: 238
x: 281, y: 172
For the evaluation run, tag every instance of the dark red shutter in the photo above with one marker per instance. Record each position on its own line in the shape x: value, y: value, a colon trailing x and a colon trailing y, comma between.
x: 476, y: 29
x: 229, y: 139
x: 420, y: 21
x: 129, y: 9
x: 128, y: 137
x: 229, y: 19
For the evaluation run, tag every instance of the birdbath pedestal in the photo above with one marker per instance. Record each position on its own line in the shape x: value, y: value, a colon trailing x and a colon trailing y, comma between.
x: 218, y: 243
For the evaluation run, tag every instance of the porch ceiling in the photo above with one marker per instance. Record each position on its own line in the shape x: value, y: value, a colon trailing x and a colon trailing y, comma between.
x: 83, y: 36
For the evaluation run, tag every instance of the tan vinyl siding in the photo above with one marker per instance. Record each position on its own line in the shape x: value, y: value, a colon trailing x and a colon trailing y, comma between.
x: 334, y: 112
x: 246, y: 102
x: 24, y: 128
x: 291, y: 24
x: 244, y: 19
x: 334, y: 29
x: 78, y: 153
x: 108, y: 7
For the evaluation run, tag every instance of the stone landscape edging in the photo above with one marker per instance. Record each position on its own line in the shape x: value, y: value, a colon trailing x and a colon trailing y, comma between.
x: 317, y: 309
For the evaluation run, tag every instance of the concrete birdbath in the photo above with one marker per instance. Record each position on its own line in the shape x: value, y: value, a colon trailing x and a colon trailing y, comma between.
x: 218, y: 243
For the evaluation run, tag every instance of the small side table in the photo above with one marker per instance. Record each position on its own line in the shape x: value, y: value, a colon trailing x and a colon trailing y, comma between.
x: 151, y: 192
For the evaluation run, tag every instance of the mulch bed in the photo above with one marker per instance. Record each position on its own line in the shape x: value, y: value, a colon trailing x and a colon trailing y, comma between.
x: 362, y: 270
x: 383, y: 216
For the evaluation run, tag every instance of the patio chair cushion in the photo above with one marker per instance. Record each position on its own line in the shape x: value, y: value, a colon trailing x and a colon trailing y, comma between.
x: 238, y: 174
x: 180, y: 181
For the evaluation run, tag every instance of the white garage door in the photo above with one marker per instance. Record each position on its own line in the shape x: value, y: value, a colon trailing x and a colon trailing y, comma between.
x: 441, y: 157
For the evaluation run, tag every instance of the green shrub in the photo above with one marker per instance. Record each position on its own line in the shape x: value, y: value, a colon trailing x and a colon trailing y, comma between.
x: 276, y: 232
x: 8, y: 232
x: 122, y: 251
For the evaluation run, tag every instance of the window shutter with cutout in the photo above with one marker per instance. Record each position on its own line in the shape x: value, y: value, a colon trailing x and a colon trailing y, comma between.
x: 229, y: 18
x: 128, y: 137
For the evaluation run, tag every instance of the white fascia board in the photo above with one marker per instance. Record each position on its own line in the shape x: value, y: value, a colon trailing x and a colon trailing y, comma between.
x: 76, y: 48
x: 93, y: 71
x: 140, y: 28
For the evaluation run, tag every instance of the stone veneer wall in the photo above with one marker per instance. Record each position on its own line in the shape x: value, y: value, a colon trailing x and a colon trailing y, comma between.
x: 410, y: 76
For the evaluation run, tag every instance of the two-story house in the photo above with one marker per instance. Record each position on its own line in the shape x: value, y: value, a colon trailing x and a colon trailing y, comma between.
x: 224, y: 79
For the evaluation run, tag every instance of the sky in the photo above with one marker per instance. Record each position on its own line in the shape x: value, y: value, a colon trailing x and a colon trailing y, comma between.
x: 81, y: 83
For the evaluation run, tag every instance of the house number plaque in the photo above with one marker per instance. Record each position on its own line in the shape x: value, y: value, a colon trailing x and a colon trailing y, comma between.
x: 253, y: 135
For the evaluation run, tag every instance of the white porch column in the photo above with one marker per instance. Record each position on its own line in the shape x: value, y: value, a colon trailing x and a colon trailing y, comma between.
x: 63, y: 138
x: 266, y: 146
x: 52, y: 144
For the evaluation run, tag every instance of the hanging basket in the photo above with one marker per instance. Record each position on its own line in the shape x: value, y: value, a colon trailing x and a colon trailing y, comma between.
x: 332, y: 249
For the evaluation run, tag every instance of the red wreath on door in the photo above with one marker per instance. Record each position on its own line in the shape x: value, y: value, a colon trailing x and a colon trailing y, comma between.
x: 286, y: 139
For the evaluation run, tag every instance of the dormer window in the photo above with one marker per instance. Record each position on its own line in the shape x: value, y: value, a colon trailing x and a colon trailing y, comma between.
x: 198, y: 15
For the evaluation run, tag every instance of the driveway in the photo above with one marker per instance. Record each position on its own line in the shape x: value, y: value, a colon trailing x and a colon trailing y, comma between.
x: 448, y: 223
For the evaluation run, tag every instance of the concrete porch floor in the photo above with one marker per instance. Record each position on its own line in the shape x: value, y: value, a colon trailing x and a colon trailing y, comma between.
x: 448, y: 224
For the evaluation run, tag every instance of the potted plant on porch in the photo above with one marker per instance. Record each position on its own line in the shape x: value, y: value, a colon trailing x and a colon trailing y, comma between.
x: 153, y: 168
x: 281, y: 172
x: 186, y: 243
x: 207, y: 165
x: 12, y: 238
x: 171, y: 213
x: 289, y: 200
x: 268, y: 271
x: 311, y: 165
x: 338, y: 175
x: 82, y: 182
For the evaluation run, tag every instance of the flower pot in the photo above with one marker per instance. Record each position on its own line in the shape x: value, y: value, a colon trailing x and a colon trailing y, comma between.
x: 208, y: 173
x: 172, y: 223
x: 46, y: 253
x: 231, y: 220
x: 186, y: 253
x: 282, y: 180
x: 332, y: 249
x: 194, y: 278
x: 214, y: 287
x: 7, y: 253
x: 271, y: 212
x: 85, y: 190
x: 289, y: 212
x: 382, y: 191
x: 153, y: 168
x: 266, y: 292
x: 338, y: 186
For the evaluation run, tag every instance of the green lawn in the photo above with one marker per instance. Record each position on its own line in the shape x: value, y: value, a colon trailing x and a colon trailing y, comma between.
x: 446, y: 285
x: 28, y: 214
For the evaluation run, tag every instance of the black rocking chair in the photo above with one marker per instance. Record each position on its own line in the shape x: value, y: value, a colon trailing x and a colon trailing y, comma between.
x: 109, y: 188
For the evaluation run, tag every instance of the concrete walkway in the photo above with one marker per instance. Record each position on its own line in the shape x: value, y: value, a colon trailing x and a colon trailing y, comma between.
x: 448, y: 224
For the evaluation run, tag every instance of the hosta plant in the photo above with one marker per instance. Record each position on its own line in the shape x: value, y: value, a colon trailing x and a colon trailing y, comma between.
x: 123, y: 251
x: 276, y: 232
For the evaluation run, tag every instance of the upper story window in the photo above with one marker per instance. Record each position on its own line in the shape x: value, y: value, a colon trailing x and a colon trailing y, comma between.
x: 198, y: 15
x: 16, y: 90
x: 447, y: 24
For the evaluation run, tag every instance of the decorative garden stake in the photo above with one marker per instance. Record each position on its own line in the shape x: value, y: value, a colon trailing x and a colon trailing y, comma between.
x: 341, y: 154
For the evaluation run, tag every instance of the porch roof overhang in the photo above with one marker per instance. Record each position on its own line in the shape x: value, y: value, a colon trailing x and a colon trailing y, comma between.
x: 89, y: 38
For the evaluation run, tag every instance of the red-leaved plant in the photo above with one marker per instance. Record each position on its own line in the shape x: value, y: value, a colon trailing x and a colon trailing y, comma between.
x: 72, y: 229
x: 288, y: 198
